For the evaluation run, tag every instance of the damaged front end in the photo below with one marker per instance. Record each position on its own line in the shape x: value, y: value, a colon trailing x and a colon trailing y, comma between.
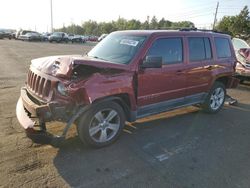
x: 243, y: 64
x: 54, y: 91
x: 33, y: 117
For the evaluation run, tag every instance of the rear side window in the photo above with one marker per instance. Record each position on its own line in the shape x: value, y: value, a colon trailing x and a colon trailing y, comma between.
x: 222, y: 47
x: 199, y: 48
x: 170, y: 49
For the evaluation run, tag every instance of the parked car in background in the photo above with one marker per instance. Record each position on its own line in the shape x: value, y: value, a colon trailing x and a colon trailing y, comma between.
x: 242, y: 51
x: 86, y: 37
x: 6, y: 33
x: 102, y: 37
x: 93, y: 38
x: 31, y: 36
x: 45, y: 36
x: 77, y: 39
x: 22, y: 32
x: 1, y: 35
x: 59, y: 37
x: 127, y: 76
x: 71, y: 36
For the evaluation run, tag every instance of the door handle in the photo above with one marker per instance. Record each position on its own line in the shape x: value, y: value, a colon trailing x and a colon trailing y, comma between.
x: 178, y: 72
x: 208, y: 67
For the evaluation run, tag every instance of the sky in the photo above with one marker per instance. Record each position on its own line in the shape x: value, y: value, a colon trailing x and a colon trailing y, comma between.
x: 35, y: 14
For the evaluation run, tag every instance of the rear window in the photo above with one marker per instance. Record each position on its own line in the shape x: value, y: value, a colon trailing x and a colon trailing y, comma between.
x: 170, y: 49
x: 222, y: 47
x: 199, y: 48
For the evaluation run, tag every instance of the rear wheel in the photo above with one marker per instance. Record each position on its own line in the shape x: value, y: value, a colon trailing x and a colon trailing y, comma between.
x: 102, y: 124
x: 215, y: 99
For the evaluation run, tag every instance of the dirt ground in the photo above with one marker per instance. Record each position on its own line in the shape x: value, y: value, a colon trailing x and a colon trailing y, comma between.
x: 185, y: 148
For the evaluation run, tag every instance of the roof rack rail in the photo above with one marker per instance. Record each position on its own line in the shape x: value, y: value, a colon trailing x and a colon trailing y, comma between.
x: 203, y: 30
x: 188, y: 29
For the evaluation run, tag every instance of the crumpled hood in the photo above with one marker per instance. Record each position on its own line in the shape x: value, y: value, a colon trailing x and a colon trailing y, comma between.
x: 62, y: 66
x: 53, y: 65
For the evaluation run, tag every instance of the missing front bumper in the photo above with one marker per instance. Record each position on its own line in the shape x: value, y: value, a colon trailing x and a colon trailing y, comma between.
x: 41, y: 136
x: 22, y: 116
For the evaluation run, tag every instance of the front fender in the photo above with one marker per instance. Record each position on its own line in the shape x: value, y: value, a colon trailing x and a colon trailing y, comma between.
x: 100, y: 86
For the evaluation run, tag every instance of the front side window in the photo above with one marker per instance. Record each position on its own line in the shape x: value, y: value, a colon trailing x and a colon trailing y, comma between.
x: 222, y: 47
x: 170, y: 49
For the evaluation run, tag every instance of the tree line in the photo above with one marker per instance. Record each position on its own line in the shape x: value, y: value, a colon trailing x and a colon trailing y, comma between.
x: 236, y: 26
x: 94, y: 28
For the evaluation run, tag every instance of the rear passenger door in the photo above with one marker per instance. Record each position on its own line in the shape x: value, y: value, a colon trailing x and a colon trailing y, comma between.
x: 199, y: 70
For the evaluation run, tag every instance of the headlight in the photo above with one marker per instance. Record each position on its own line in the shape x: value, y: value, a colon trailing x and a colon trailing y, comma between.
x: 61, y: 89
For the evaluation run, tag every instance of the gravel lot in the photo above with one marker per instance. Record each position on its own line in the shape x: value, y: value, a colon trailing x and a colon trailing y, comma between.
x: 181, y: 149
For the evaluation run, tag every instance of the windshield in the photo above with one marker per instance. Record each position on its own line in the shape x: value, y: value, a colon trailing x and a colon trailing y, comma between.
x: 239, y: 43
x: 117, y: 48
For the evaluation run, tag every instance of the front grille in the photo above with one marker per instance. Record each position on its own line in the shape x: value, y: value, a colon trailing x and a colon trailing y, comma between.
x: 39, y: 85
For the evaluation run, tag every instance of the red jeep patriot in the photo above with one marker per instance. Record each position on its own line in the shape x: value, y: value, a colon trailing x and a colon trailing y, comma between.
x: 128, y: 75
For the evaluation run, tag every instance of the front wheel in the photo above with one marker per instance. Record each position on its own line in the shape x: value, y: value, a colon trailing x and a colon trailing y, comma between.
x: 215, y: 99
x: 102, y: 124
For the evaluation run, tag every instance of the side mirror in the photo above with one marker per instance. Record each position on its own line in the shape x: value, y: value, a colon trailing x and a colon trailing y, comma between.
x: 152, y: 62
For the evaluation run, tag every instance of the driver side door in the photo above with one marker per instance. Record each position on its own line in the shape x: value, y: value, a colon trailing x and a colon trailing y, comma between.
x: 158, y: 85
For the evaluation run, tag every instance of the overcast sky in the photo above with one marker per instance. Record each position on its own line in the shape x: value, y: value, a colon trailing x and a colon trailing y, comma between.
x: 35, y: 14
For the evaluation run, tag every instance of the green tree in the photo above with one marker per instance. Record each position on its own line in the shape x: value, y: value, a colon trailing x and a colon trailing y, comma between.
x: 153, y: 23
x: 120, y: 24
x: 183, y: 24
x: 133, y: 24
x: 145, y: 25
x: 226, y: 24
x: 90, y: 27
x: 164, y: 24
x: 238, y: 25
x: 93, y: 28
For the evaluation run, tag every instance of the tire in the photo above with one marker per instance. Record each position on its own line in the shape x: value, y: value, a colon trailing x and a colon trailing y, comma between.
x: 215, y: 99
x: 102, y: 124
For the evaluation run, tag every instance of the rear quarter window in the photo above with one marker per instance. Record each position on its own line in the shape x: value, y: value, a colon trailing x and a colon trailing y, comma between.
x: 222, y: 46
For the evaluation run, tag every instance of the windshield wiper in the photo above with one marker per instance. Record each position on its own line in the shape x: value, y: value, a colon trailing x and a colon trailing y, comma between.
x: 98, y: 58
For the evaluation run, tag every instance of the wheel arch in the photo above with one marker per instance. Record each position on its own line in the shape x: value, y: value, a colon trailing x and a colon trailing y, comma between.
x: 224, y: 80
x: 123, y: 100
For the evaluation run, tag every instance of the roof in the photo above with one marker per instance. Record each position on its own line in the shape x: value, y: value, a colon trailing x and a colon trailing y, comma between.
x: 171, y: 32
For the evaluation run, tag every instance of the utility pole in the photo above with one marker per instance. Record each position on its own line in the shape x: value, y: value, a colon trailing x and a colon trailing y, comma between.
x: 51, y: 15
x: 215, y: 15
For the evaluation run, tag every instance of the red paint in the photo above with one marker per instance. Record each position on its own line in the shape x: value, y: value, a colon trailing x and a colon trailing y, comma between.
x: 142, y: 87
